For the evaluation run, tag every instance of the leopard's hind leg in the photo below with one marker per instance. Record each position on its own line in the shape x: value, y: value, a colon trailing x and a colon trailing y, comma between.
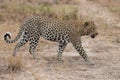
x: 62, y: 45
x: 33, y: 44
x: 22, y: 42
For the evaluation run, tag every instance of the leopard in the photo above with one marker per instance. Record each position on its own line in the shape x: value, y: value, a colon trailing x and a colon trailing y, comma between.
x: 55, y: 30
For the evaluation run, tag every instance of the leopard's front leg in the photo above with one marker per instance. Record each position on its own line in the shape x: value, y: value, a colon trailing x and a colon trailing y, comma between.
x: 78, y: 46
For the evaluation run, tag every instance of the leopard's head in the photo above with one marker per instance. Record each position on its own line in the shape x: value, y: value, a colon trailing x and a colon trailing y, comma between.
x: 89, y: 29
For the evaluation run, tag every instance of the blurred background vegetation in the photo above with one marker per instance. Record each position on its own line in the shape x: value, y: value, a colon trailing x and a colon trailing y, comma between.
x: 17, y: 10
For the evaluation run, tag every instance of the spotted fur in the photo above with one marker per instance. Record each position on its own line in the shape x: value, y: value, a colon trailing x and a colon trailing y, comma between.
x: 54, y: 30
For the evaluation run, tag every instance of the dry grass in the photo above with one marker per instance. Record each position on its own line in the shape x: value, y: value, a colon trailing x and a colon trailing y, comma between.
x: 113, y: 5
x: 19, y: 10
x: 18, y: 13
x: 108, y: 2
x: 15, y: 63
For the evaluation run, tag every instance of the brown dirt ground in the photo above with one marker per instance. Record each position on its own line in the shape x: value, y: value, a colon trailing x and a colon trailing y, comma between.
x: 103, y: 51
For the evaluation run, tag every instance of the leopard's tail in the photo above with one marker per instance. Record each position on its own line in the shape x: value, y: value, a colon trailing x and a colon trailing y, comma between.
x: 8, y: 35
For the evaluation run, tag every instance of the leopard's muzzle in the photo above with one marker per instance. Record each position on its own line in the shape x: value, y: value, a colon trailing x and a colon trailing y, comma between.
x: 94, y: 35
